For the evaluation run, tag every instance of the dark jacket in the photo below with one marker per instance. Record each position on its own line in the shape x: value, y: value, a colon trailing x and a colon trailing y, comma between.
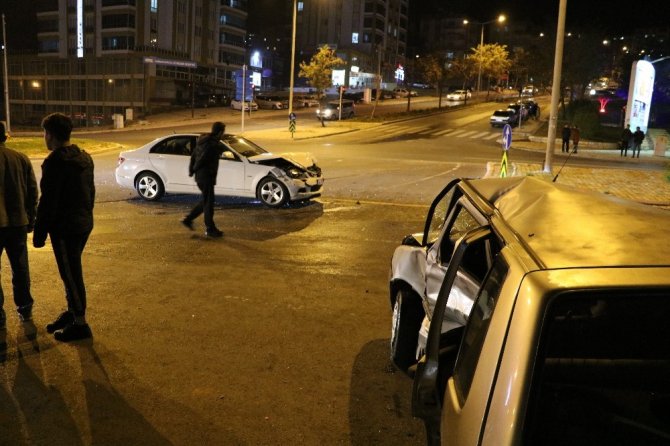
x: 638, y: 136
x: 68, y: 194
x: 626, y: 135
x: 205, y: 159
x: 18, y: 198
x: 565, y: 134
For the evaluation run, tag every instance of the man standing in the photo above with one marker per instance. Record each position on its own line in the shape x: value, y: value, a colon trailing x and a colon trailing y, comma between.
x: 65, y: 213
x: 638, y: 137
x: 18, y: 200
x: 626, y: 136
x: 205, y: 166
x: 575, y: 138
x: 565, y: 135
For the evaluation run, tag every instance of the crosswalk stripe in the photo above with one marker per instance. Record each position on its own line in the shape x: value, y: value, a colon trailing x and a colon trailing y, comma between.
x: 494, y: 135
x: 457, y: 132
x: 471, y: 132
x: 479, y: 135
x: 443, y: 132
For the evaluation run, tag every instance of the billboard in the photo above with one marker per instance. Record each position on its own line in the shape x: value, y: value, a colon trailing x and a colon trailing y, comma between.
x: 639, y: 95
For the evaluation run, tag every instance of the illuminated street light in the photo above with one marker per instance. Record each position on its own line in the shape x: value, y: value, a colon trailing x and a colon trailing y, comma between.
x: 500, y: 19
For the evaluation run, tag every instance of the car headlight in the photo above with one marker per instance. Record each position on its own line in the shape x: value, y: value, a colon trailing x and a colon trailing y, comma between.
x: 294, y: 172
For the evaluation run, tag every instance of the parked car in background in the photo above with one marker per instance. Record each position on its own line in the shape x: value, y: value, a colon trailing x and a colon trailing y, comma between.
x: 306, y: 100
x: 331, y: 110
x: 403, y: 92
x: 236, y: 104
x: 356, y: 96
x: 383, y: 94
x: 528, y: 90
x: 245, y: 170
x: 501, y: 117
x: 459, y: 95
x: 521, y: 110
x: 271, y: 102
x: 529, y: 331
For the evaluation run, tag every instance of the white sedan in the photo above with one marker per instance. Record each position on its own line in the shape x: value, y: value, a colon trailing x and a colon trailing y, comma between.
x: 237, y: 105
x: 245, y: 170
x: 459, y: 95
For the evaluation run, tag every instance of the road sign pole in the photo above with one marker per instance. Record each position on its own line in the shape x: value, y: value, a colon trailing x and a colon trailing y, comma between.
x: 506, y: 144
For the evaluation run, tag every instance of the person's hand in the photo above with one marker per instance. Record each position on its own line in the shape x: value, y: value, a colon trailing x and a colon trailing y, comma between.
x: 30, y: 228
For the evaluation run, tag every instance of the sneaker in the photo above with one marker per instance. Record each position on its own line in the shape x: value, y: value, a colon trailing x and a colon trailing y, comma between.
x: 214, y: 233
x: 65, y: 319
x: 25, y: 313
x: 187, y: 223
x: 74, y: 332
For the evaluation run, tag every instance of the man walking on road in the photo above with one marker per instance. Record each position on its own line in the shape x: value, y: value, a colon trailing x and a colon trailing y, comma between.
x: 65, y: 213
x: 638, y: 137
x: 204, y: 166
x: 18, y: 201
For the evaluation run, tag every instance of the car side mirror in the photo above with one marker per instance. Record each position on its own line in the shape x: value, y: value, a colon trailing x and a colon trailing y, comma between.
x: 411, y: 240
x: 228, y: 155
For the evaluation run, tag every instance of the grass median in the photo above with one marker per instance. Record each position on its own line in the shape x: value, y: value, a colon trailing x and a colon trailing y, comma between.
x: 34, y: 146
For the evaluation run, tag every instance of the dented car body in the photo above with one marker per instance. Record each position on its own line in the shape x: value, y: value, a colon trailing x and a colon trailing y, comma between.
x: 245, y: 170
x: 540, y: 317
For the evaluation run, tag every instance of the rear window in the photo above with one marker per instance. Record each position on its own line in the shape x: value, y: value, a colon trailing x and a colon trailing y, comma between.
x: 602, y: 375
x: 504, y: 113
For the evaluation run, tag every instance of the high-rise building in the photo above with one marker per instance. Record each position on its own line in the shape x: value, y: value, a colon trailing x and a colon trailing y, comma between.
x: 96, y: 58
x: 369, y: 35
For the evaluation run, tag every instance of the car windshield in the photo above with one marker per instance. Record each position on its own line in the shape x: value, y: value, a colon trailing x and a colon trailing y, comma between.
x: 244, y: 147
x: 501, y: 113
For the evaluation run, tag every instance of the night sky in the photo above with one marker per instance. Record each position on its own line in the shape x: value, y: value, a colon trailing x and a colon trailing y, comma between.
x: 615, y: 16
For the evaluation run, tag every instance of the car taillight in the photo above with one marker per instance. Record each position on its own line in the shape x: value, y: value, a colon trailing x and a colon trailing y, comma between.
x: 120, y: 161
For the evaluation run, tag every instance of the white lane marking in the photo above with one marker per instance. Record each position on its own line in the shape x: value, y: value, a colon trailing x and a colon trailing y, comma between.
x: 457, y: 132
x: 479, y: 135
x: 443, y: 132
x: 494, y: 135
x: 458, y: 166
x: 471, y: 132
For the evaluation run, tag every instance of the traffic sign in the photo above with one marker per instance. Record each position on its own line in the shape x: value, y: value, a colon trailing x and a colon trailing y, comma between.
x: 507, y: 137
x: 291, y: 123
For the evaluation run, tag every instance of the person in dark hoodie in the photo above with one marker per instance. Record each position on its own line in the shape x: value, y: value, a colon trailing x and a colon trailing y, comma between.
x: 204, y: 166
x: 65, y: 213
x: 18, y: 200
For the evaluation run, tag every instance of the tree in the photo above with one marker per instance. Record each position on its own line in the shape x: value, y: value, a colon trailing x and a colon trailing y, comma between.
x: 492, y: 58
x: 435, y: 70
x: 465, y: 69
x: 319, y: 71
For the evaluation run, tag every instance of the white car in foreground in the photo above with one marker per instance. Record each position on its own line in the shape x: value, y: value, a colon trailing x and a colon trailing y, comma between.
x: 245, y: 170
x: 459, y: 95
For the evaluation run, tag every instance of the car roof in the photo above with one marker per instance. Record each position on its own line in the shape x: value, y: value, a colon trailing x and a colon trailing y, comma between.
x: 565, y: 227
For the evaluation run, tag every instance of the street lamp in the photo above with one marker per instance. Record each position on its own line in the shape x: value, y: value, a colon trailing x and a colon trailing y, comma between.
x: 500, y: 19
x: 291, y: 83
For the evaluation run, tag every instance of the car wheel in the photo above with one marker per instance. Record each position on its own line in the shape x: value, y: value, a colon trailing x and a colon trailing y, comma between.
x: 406, y: 322
x: 272, y: 192
x: 149, y: 186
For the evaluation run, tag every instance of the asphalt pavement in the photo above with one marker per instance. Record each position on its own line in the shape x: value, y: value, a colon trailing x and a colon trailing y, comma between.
x: 626, y: 181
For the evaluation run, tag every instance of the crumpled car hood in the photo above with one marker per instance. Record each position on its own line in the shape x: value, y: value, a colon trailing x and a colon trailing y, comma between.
x: 301, y: 159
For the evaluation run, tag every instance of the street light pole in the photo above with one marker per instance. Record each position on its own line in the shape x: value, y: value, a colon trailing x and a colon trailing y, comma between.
x: 291, y: 82
x: 555, y: 86
x: 481, y: 46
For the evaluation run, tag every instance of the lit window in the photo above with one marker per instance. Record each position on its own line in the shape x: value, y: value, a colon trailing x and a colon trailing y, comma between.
x: 301, y: 5
x: 354, y: 37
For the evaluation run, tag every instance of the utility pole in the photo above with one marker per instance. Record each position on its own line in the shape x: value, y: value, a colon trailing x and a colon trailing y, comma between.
x: 4, y: 77
x: 555, y: 86
x: 292, y: 82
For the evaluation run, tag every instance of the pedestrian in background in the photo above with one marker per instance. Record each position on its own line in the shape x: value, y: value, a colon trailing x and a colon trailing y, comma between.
x: 565, y: 135
x: 638, y: 137
x: 18, y: 201
x: 204, y: 166
x: 65, y: 213
x: 626, y: 136
x: 574, y: 135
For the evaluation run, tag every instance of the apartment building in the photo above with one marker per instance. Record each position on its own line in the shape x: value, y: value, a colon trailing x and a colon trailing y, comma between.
x: 97, y: 58
x: 369, y: 35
